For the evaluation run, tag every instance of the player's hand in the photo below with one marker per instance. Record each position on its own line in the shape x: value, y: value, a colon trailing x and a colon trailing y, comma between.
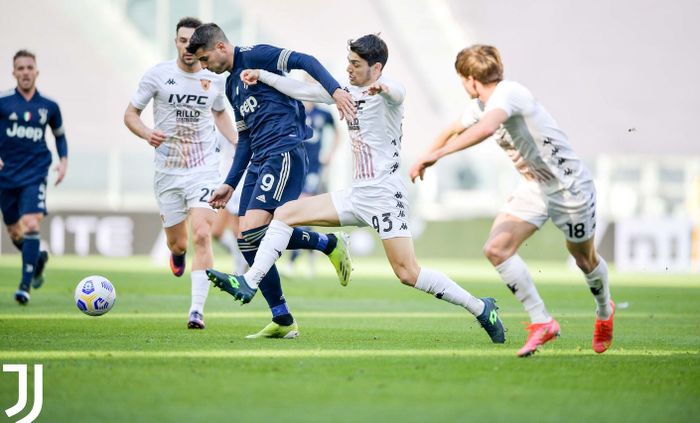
x: 60, y: 169
x: 154, y: 137
x: 250, y: 76
x: 344, y: 103
x: 419, y: 167
x: 377, y: 88
x: 220, y: 196
x: 1, y: 164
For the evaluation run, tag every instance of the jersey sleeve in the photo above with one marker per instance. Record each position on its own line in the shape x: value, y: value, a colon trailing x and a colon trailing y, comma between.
x: 512, y: 98
x: 146, y: 90
x: 396, y: 94
x: 220, y: 100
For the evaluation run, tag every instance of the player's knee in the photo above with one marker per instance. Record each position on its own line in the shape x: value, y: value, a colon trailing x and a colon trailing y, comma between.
x: 408, y: 275
x: 201, y: 234
x: 585, y: 263
x: 286, y: 213
x: 31, y: 223
x: 496, y: 254
x: 177, y: 246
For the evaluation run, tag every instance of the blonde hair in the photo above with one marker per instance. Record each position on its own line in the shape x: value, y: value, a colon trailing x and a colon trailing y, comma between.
x: 481, y: 62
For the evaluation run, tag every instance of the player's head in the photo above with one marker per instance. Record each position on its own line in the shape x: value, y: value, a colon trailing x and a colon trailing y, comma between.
x: 479, y: 63
x: 24, y: 70
x: 211, y: 47
x: 366, y: 60
x: 183, y: 31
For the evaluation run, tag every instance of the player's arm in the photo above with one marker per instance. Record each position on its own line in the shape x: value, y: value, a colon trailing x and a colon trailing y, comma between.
x: 132, y: 120
x: 59, y: 134
x: 283, y: 60
x: 222, y: 195
x: 392, y: 91
x: 132, y: 116
x: 223, y: 123
x: 473, y: 135
x: 302, y: 91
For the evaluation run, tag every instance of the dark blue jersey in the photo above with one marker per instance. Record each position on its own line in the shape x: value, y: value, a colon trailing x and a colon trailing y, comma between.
x: 23, y: 138
x: 275, y: 121
x: 317, y: 119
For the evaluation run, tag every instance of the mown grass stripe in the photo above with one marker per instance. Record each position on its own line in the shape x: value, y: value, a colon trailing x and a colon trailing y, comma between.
x: 328, y: 315
x: 315, y: 353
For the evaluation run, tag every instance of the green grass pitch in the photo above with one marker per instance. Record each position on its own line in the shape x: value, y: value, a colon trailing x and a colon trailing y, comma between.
x: 373, y: 351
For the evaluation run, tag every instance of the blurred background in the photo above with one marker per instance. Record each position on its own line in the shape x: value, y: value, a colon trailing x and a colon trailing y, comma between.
x: 620, y: 78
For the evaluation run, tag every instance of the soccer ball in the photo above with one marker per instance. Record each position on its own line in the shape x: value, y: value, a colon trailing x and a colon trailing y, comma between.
x: 95, y: 295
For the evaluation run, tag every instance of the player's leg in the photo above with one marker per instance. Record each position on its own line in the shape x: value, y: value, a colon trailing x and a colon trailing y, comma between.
x: 507, y: 234
x: 574, y: 213
x: 318, y: 211
x: 201, y: 221
x: 402, y: 258
x: 172, y: 203
x: 30, y: 224
x: 522, y: 215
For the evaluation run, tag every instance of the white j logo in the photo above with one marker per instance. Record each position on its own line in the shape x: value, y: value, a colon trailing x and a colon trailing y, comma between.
x: 21, y: 369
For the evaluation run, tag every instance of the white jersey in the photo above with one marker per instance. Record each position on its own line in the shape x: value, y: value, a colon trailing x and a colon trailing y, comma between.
x: 376, y: 133
x: 531, y: 138
x: 182, y: 109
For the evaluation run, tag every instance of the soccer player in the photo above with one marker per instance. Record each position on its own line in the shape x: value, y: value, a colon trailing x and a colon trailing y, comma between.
x: 24, y: 166
x: 188, y: 102
x: 377, y: 196
x: 320, y: 121
x: 556, y: 185
x: 272, y: 129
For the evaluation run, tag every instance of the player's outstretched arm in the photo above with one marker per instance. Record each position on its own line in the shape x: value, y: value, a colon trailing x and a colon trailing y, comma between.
x: 132, y: 120
x: 392, y: 91
x: 222, y: 195
x: 468, y: 138
x: 303, y: 91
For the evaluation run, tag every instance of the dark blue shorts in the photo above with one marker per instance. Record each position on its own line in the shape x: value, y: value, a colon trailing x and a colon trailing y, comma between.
x: 16, y: 202
x: 276, y: 181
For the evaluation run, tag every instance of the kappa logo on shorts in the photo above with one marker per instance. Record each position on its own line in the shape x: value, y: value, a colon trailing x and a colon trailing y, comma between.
x: 261, y: 198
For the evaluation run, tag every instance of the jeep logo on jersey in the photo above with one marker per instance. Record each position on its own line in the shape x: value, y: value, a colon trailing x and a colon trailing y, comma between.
x: 187, y: 99
x: 248, y: 106
x: 28, y: 132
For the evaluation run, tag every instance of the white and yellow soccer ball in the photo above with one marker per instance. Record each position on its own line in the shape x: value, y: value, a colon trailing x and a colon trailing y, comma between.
x: 95, y: 295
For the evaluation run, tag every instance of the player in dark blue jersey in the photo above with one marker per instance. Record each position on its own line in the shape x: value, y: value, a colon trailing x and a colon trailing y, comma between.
x: 272, y: 128
x: 24, y: 166
x: 321, y: 121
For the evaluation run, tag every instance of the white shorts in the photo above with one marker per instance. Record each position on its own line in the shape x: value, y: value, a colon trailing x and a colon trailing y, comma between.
x: 385, y: 208
x: 177, y: 194
x: 571, y: 210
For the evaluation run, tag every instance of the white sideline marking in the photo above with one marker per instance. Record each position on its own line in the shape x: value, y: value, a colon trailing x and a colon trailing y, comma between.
x: 315, y: 353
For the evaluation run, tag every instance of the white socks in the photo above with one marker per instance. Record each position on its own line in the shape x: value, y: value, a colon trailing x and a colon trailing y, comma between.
x: 597, y: 280
x: 275, y: 241
x: 516, y: 276
x: 200, y: 290
x: 444, y: 288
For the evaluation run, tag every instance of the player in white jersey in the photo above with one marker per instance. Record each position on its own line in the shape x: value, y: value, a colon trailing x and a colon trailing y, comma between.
x: 377, y: 196
x: 557, y: 186
x: 188, y: 102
